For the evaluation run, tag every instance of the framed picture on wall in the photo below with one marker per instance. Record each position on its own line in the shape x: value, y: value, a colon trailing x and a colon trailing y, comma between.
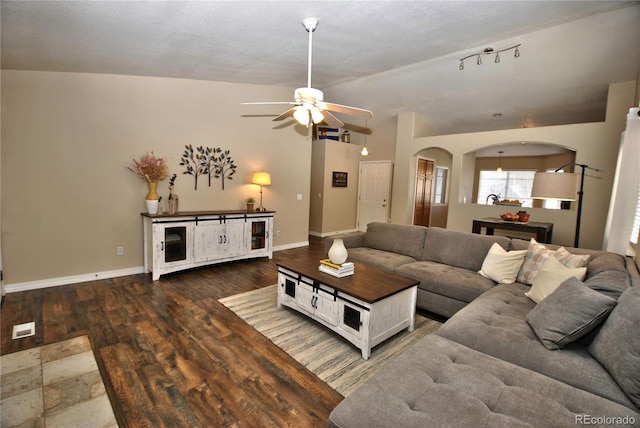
x: 339, y: 179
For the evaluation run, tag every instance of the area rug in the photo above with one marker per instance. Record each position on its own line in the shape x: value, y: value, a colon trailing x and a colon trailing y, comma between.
x: 330, y: 357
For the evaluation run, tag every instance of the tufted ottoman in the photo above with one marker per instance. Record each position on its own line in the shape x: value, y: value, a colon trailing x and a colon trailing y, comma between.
x: 439, y: 383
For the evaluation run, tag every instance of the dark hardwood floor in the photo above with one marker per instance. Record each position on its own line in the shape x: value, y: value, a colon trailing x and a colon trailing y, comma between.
x: 171, y: 355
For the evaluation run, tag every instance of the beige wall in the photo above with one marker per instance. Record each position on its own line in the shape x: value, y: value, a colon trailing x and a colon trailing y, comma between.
x: 67, y: 199
x: 333, y: 209
x: 596, y: 144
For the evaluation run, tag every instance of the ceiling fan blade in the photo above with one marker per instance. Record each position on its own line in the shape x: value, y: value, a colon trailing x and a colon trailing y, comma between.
x: 357, y: 129
x: 353, y: 111
x: 331, y: 120
x: 285, y: 114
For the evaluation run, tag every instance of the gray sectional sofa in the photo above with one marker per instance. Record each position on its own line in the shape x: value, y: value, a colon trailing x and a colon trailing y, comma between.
x: 502, y: 359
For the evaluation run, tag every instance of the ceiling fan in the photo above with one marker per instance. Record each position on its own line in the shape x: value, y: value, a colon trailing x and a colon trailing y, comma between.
x: 309, y: 105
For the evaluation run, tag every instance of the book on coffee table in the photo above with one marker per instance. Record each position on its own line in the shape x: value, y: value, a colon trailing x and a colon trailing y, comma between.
x: 334, y: 272
x: 339, y: 270
x: 343, y: 266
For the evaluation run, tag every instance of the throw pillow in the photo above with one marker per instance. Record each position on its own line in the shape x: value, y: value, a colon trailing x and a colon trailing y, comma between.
x: 617, y: 344
x: 571, y: 260
x: 569, y: 313
x: 536, y: 255
x: 501, y: 265
x: 551, y: 275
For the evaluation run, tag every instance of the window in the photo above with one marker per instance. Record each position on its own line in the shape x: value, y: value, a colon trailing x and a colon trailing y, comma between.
x: 506, y: 185
x: 636, y: 225
x: 439, y: 195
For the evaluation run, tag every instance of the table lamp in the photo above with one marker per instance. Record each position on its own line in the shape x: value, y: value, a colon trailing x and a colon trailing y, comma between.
x: 262, y: 179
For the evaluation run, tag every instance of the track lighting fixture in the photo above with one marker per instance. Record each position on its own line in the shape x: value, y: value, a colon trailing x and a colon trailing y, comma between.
x: 490, y: 51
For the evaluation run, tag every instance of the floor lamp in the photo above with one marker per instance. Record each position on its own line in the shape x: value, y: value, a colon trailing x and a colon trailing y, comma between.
x: 262, y: 179
x: 562, y: 186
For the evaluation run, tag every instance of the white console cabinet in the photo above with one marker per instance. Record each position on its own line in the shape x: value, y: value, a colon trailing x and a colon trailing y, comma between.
x: 190, y: 239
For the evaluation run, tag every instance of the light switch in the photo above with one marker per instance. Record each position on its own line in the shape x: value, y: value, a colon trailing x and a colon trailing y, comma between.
x: 299, y: 196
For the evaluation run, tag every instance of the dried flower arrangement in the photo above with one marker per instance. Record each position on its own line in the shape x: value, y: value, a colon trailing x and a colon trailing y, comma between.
x: 150, y: 168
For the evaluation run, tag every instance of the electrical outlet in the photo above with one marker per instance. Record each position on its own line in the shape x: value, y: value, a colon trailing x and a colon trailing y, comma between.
x: 120, y: 251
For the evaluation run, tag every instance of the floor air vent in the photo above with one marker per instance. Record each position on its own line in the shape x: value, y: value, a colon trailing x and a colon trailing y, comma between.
x: 24, y: 330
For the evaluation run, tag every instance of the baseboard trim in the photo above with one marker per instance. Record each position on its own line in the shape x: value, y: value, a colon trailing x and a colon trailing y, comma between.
x: 66, y: 280
x: 75, y: 279
x: 290, y: 246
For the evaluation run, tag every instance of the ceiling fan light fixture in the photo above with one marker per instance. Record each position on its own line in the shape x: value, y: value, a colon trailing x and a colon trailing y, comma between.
x: 316, y: 116
x: 301, y: 114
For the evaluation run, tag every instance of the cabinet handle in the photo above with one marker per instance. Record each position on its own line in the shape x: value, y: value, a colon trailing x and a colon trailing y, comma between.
x: 161, y: 245
x: 219, y: 239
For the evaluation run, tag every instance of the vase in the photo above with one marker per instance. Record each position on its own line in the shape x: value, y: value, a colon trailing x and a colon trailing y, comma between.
x: 338, y: 252
x: 153, y: 193
x: 152, y: 198
x: 173, y: 203
x: 152, y: 206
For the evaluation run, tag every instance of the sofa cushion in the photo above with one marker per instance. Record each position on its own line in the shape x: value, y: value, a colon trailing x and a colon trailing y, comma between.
x: 617, y: 345
x: 495, y: 324
x: 606, y: 262
x: 439, y: 383
x: 456, y: 283
x: 569, y: 313
x: 611, y: 283
x: 384, y: 260
x: 551, y: 275
x: 502, y: 266
x: 396, y: 238
x: 459, y: 249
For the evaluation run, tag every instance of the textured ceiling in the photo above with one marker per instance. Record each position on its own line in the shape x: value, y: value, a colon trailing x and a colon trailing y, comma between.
x: 387, y: 56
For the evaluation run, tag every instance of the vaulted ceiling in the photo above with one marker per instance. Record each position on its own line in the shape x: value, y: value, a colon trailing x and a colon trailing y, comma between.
x: 387, y: 56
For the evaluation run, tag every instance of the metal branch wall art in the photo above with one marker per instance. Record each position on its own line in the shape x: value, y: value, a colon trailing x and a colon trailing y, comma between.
x: 224, y: 166
x: 208, y: 161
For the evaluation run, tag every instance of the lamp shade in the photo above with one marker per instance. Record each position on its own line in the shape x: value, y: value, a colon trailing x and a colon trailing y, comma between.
x: 301, y: 114
x: 261, y: 178
x: 555, y: 185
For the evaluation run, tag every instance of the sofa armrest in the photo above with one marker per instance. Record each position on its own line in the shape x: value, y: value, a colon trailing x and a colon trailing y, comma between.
x: 351, y: 240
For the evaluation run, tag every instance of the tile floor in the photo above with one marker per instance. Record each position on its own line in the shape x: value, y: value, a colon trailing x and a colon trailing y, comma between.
x: 55, y: 385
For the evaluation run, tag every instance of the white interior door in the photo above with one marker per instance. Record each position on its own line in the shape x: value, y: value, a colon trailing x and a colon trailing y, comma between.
x: 373, y: 193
